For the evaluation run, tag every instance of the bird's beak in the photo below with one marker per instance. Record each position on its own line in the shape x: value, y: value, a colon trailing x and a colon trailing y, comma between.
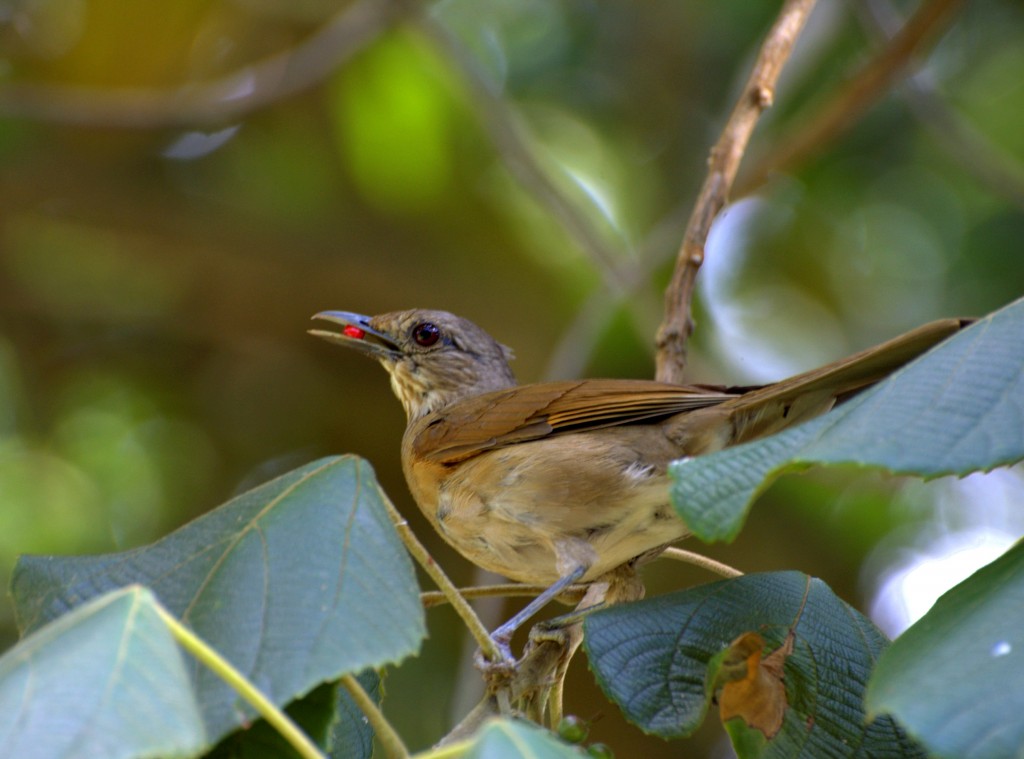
x: 358, y: 334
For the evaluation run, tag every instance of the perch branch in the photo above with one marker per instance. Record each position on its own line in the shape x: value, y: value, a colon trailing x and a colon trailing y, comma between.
x: 432, y: 598
x: 698, y: 560
x: 419, y: 552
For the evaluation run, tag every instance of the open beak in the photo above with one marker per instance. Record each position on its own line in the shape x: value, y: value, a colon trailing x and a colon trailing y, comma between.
x: 357, y: 333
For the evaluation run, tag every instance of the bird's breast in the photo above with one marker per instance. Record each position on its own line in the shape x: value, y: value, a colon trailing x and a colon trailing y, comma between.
x: 534, y: 510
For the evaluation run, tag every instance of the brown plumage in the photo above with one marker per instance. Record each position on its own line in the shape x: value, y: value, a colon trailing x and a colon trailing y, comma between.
x: 546, y: 481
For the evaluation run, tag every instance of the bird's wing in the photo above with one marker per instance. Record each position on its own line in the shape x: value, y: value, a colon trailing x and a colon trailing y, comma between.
x: 530, y: 412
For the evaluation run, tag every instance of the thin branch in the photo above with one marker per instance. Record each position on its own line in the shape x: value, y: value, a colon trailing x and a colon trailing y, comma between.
x: 390, y: 741
x: 432, y: 598
x: 221, y: 100
x: 227, y: 672
x: 699, y: 560
x: 995, y: 169
x: 723, y: 163
x: 417, y: 550
x: 850, y: 103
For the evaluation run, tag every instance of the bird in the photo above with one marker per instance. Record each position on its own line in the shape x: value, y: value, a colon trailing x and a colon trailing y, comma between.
x: 555, y: 483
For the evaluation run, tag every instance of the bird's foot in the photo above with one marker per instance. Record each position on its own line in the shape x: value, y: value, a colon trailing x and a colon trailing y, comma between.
x: 503, y: 666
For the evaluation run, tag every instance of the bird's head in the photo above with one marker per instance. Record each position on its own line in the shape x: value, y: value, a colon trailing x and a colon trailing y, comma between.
x: 434, y: 358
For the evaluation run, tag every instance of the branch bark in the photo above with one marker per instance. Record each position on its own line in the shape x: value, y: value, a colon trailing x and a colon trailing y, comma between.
x: 723, y: 163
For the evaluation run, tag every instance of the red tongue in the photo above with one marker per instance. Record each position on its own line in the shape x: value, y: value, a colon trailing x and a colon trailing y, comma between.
x: 354, y: 332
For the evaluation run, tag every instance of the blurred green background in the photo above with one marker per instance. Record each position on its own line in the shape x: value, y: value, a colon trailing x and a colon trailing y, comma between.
x: 183, y: 183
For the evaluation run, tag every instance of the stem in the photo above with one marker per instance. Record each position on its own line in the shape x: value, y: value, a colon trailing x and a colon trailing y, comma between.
x: 445, y: 585
x: 433, y: 598
x: 392, y: 744
x: 698, y: 560
x: 447, y: 751
x: 862, y: 90
x: 226, y: 671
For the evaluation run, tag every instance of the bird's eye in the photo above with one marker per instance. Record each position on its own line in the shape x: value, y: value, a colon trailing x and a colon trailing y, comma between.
x: 426, y: 334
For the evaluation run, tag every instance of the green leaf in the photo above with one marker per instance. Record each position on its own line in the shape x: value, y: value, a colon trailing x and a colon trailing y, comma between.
x: 659, y: 660
x: 501, y: 738
x: 106, y: 680
x: 295, y: 583
x: 955, y: 679
x: 512, y: 739
x: 351, y: 734
x: 957, y: 409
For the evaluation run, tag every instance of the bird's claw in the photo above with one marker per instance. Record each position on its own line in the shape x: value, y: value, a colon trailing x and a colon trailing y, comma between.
x: 504, y: 659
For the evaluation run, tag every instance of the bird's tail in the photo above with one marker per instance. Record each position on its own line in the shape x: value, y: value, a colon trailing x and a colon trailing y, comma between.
x: 765, y: 410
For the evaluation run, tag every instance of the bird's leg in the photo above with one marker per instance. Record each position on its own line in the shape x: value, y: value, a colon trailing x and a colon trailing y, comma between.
x: 503, y: 635
x: 559, y: 638
x: 528, y: 680
x: 573, y: 557
x: 533, y: 684
x: 540, y: 675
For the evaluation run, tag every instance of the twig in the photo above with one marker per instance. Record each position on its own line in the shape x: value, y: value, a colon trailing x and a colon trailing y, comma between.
x: 217, y: 101
x: 417, y: 550
x: 390, y: 741
x: 432, y: 598
x: 723, y: 163
x: 993, y: 168
x: 860, y: 92
x: 698, y: 560
x: 220, y: 666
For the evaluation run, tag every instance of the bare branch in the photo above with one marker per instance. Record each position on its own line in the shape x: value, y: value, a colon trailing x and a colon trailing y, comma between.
x: 220, y: 100
x: 699, y: 560
x: 859, y: 94
x: 432, y: 598
x: 723, y: 163
x: 993, y: 168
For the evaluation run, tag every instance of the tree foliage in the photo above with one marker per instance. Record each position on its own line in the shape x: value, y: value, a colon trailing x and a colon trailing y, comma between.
x: 169, y: 224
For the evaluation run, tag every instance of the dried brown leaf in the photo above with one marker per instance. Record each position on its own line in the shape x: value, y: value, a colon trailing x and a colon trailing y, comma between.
x: 753, y: 689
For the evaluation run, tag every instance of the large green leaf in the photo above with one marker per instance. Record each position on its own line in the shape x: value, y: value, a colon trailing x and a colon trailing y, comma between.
x: 957, y: 409
x: 501, y: 738
x: 106, y: 680
x: 661, y: 660
x: 955, y: 679
x: 296, y: 582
